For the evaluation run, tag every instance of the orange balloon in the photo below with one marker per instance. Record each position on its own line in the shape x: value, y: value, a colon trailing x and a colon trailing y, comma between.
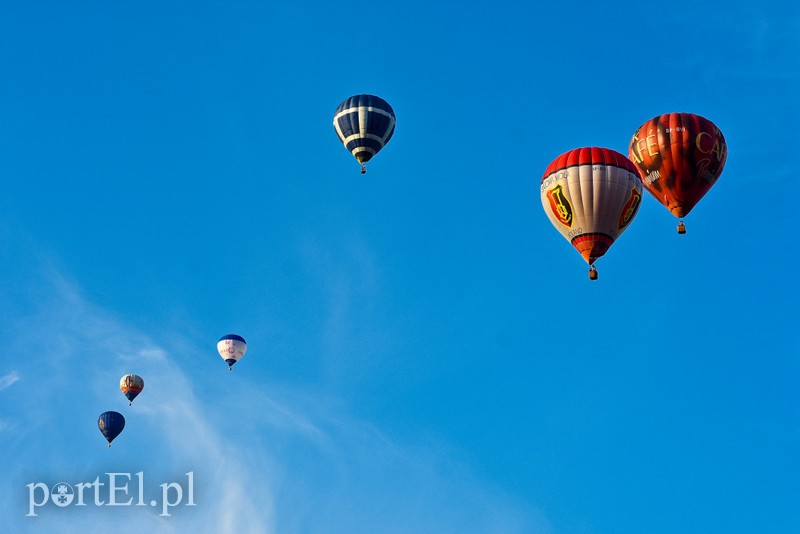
x: 680, y: 156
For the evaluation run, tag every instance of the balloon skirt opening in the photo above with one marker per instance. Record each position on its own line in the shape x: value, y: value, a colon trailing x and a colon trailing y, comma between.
x: 363, y: 157
x: 679, y: 209
x: 592, y: 246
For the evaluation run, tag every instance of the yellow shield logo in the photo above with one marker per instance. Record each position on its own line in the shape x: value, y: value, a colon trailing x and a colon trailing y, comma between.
x: 560, y: 206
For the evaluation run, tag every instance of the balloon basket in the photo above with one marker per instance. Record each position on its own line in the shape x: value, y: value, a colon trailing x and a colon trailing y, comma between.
x: 681, y: 228
x: 363, y: 169
x: 592, y: 273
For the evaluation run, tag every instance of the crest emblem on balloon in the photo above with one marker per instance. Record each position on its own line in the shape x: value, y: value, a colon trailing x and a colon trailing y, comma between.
x: 631, y: 207
x: 560, y: 206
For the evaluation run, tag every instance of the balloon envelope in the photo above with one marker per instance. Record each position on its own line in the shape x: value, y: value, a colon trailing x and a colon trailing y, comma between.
x: 364, y: 124
x: 111, y: 424
x: 680, y: 156
x: 591, y: 195
x: 131, y: 385
x: 231, y: 347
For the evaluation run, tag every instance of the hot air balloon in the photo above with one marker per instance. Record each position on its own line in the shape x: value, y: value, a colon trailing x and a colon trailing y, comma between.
x: 131, y: 385
x: 231, y: 347
x: 591, y: 195
x: 680, y: 156
x: 364, y: 124
x: 111, y: 424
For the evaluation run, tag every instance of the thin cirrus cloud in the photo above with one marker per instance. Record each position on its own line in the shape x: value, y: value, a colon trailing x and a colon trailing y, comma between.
x: 8, y: 380
x: 75, y: 355
x: 283, y: 461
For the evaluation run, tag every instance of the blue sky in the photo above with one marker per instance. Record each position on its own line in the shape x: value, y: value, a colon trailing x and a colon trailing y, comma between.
x: 425, y: 352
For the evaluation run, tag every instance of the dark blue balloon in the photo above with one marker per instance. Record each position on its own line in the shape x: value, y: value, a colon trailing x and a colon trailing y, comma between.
x: 364, y: 124
x: 111, y: 424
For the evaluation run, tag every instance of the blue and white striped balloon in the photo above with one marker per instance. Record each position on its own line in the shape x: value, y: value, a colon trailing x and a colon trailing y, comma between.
x: 364, y: 124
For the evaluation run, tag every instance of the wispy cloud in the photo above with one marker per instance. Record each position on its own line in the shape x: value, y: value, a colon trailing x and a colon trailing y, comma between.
x: 265, y: 457
x: 7, y: 380
x: 75, y: 354
x: 347, y: 274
